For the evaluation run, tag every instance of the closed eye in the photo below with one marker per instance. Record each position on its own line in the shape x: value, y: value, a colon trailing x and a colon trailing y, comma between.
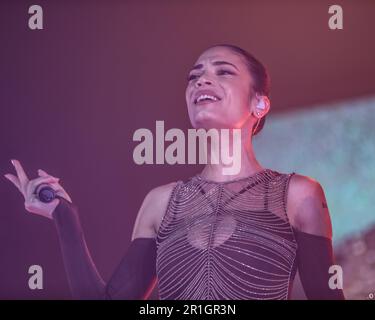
x: 224, y: 72
x: 192, y: 77
x: 219, y: 72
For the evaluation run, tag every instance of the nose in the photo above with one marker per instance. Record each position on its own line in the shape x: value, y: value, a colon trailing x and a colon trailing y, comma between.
x: 202, y: 80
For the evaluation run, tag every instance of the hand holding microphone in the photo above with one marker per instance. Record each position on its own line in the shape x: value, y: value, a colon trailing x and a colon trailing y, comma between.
x: 45, y: 193
x: 41, y: 194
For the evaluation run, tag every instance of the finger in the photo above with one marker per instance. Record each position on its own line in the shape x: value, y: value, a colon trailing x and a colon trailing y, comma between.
x: 22, y: 176
x: 12, y: 178
x: 64, y: 194
x: 41, y: 180
x: 33, y: 205
x: 57, y: 187
x: 31, y: 186
x: 42, y: 173
x: 60, y: 191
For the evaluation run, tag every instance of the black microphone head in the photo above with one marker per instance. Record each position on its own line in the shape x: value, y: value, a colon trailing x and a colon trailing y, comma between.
x: 46, y: 194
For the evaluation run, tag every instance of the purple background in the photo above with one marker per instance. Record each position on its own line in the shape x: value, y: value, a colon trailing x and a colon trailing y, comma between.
x: 72, y: 95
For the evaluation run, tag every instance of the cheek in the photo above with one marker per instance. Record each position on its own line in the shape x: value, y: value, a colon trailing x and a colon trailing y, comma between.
x: 238, y: 100
x: 189, y: 106
x: 188, y: 94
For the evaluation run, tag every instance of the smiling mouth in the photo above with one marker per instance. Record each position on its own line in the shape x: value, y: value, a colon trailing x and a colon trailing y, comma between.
x: 206, y: 98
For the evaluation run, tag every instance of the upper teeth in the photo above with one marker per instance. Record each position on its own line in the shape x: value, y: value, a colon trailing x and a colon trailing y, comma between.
x: 206, y: 96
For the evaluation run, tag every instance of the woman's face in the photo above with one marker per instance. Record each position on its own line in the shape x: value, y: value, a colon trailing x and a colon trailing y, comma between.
x: 218, y: 91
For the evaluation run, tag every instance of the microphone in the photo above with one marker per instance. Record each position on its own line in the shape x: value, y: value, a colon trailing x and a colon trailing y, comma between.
x: 45, y: 193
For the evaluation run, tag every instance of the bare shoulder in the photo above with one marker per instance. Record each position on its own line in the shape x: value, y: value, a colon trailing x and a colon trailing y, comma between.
x: 307, y: 206
x: 152, y: 211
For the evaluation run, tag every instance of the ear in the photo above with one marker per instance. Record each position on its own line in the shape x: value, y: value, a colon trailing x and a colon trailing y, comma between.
x: 260, y: 105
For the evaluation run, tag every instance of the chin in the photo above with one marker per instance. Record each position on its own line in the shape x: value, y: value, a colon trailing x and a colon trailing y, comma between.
x: 206, y: 122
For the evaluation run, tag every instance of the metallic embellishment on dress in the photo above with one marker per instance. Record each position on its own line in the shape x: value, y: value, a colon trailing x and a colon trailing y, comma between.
x: 228, y: 240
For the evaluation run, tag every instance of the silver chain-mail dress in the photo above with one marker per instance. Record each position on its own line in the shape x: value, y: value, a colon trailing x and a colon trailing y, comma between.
x: 227, y: 240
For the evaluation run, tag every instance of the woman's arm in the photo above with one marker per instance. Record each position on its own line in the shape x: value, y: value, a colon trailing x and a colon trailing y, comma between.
x: 309, y: 215
x: 135, y: 275
x: 136, y: 271
x: 132, y: 277
x: 83, y: 277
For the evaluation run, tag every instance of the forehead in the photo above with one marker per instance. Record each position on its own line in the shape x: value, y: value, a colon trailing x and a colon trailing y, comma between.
x: 221, y: 54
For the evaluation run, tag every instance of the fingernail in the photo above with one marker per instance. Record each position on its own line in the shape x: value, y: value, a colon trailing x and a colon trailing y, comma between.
x: 6, y: 176
x: 12, y: 161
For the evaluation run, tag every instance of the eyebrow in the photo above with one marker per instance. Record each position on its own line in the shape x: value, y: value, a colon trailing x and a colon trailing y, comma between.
x: 215, y: 63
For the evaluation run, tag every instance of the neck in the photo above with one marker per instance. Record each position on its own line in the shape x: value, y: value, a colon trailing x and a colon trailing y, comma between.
x: 248, y: 162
